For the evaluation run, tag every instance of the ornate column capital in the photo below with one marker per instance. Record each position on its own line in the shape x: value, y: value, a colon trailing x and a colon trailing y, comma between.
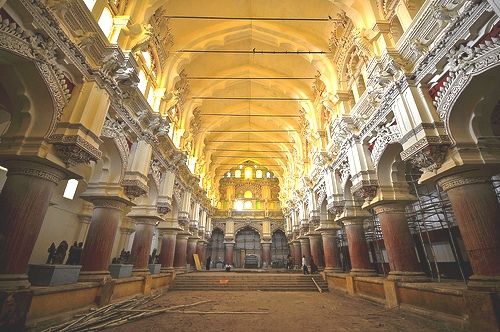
x: 462, y: 179
x: 34, y: 169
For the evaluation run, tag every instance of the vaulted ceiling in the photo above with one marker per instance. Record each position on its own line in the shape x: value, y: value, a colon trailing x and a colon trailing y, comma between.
x: 244, y: 102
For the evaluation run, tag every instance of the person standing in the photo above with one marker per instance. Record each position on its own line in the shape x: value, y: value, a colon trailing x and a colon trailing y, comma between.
x: 304, y: 265
x: 209, y: 261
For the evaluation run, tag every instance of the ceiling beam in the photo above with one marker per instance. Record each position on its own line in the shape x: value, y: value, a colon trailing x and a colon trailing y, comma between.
x: 249, y: 115
x: 250, y: 98
x: 248, y: 78
x: 251, y: 131
x: 249, y: 18
x: 253, y: 51
x: 250, y: 141
x: 239, y: 150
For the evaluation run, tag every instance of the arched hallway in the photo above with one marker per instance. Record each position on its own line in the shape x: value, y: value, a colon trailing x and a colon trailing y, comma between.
x: 146, y: 144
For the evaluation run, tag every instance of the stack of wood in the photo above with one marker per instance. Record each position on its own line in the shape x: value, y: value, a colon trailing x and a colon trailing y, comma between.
x: 127, y: 311
x: 117, y: 314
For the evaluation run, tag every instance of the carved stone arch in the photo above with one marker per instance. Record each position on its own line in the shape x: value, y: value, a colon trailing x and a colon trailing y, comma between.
x: 464, y: 88
x: 114, y: 131
x: 40, y: 53
x: 242, y: 226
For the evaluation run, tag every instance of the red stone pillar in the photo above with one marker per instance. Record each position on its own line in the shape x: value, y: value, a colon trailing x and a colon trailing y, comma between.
x: 228, y: 252
x: 141, y: 247
x: 167, y: 252
x: 358, y: 248
x: 330, y: 249
x: 305, y: 248
x: 266, y: 255
x: 181, y: 243
x: 399, y: 243
x: 297, y: 254
x: 315, y: 242
x: 98, y: 245
x: 23, y: 203
x: 477, y: 213
x: 191, y: 250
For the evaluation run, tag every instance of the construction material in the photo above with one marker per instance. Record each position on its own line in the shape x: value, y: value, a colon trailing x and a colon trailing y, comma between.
x: 119, y: 313
x: 317, y: 286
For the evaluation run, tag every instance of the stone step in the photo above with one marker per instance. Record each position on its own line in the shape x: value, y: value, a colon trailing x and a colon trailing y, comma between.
x: 245, y: 282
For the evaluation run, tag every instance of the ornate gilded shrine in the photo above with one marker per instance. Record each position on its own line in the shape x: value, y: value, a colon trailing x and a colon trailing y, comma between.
x: 250, y: 217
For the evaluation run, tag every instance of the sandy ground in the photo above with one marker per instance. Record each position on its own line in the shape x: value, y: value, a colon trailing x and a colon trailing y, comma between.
x: 286, y: 311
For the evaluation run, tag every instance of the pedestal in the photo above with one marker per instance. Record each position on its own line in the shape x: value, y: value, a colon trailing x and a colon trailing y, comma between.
x: 358, y: 248
x: 477, y: 213
x: 399, y: 243
x: 53, y: 275
x: 23, y: 203
x: 96, y: 253
x: 118, y: 271
x: 154, y: 268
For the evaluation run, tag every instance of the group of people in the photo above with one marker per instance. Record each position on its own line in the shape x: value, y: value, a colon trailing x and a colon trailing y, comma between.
x: 305, y: 266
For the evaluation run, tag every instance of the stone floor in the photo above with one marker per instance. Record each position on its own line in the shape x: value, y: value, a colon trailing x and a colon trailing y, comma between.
x: 286, y: 311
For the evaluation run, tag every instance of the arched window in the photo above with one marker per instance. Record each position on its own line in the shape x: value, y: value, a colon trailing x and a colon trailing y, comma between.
x: 248, y: 173
x: 237, y: 174
x: 106, y: 22
x: 248, y: 194
x: 268, y: 175
x: 238, y: 205
x: 248, y: 205
x: 258, y: 174
x: 228, y: 174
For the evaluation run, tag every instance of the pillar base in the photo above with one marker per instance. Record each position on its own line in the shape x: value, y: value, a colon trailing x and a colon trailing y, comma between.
x: 167, y: 270
x: 484, y: 283
x: 363, y: 273
x: 14, y: 281
x: 407, y: 276
x: 332, y: 270
x: 140, y: 272
x: 94, y: 276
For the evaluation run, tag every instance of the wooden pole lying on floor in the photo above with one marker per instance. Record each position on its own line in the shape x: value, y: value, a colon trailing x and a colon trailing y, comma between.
x: 119, y: 313
x: 317, y: 286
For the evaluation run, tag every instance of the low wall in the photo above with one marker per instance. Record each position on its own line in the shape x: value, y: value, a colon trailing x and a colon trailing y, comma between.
x: 50, y: 305
x: 451, y: 302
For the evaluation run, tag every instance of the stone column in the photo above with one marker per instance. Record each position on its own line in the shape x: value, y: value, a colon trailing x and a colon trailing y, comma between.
x: 84, y: 217
x: 23, y: 203
x: 228, y: 252
x: 141, y: 247
x: 315, y: 242
x: 181, y: 244
x: 168, y: 241
x: 98, y: 246
x: 305, y: 248
x: 477, y: 213
x: 191, y: 249
x: 330, y: 249
x: 358, y: 248
x: 399, y: 243
x: 266, y: 255
x: 297, y: 254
